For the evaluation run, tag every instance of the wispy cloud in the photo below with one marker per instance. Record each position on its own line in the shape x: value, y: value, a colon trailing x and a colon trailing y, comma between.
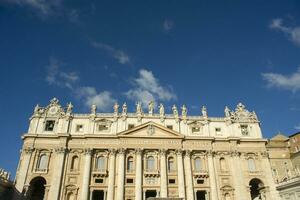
x: 55, y: 76
x: 89, y: 95
x: 43, y: 7
x: 120, y: 55
x: 293, y: 33
x: 146, y: 88
x: 168, y: 25
x: 288, y: 82
x: 103, y: 100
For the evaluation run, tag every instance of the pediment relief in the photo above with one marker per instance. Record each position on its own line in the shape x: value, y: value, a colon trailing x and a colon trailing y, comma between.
x: 150, y: 130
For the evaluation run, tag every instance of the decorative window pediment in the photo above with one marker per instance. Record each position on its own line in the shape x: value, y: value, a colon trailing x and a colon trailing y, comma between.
x: 196, y: 127
x: 103, y: 125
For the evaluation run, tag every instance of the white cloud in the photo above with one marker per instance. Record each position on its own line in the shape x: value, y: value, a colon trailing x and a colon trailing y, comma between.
x: 288, y: 82
x: 121, y: 56
x: 103, y: 100
x: 60, y: 78
x: 147, y: 88
x: 292, y: 32
x: 43, y: 7
x: 89, y: 95
x: 168, y: 25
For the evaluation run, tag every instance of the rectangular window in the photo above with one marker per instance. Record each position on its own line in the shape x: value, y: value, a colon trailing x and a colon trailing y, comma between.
x: 79, y: 128
x: 200, y: 181
x: 218, y: 131
x: 172, y: 181
x: 102, y: 127
x: 98, y: 180
x: 129, y: 180
x: 130, y: 126
x: 49, y: 125
x: 170, y: 127
x: 195, y: 129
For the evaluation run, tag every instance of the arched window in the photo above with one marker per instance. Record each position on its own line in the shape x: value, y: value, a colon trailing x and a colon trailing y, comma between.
x: 251, y: 165
x: 198, y: 164
x: 43, y: 162
x: 130, y: 166
x: 150, y: 163
x: 171, y: 164
x: 74, y: 163
x: 223, y: 165
x: 100, y: 164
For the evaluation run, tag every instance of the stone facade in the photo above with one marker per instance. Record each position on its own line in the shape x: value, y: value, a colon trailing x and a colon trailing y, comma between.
x: 126, y: 156
x: 284, y: 160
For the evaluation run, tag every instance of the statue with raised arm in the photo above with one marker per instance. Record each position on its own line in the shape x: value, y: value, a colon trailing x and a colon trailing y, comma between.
x: 227, y: 112
x: 69, y: 107
x: 151, y: 107
x: 116, y: 108
x: 204, y: 111
x: 124, y: 109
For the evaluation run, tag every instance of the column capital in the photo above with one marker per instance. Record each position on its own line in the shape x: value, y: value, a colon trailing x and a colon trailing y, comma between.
x: 139, y: 151
x: 121, y: 151
x: 179, y: 152
x: 264, y: 154
x: 235, y: 153
x: 188, y: 153
x: 60, y: 150
x: 28, y: 150
x: 88, y: 151
x: 210, y: 153
x: 162, y: 152
x: 112, y: 152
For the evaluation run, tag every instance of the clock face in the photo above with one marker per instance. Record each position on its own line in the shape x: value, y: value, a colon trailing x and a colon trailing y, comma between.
x: 53, y: 110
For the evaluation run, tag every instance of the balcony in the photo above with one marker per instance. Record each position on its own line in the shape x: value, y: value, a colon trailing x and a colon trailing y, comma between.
x: 151, y: 173
x: 100, y: 173
x: 200, y: 173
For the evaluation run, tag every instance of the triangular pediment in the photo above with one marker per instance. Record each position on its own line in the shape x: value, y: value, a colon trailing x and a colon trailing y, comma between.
x: 150, y: 130
x: 279, y: 137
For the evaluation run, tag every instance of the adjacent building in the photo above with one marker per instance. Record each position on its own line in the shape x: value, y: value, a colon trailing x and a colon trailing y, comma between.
x: 142, y: 154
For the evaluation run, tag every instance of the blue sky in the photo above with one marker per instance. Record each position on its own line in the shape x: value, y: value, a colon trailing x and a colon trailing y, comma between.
x: 212, y: 53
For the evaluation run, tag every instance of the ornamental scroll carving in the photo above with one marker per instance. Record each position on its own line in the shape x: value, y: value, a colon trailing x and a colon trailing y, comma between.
x: 241, y: 114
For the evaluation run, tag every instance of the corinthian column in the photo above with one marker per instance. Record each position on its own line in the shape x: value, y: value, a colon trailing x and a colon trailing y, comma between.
x: 163, y: 174
x: 54, y: 191
x: 268, y: 173
x: 212, y: 177
x: 86, y: 174
x: 181, y: 186
x: 188, y: 175
x: 238, y: 176
x: 121, y: 173
x: 138, y: 175
x: 111, y: 175
x: 23, y: 169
